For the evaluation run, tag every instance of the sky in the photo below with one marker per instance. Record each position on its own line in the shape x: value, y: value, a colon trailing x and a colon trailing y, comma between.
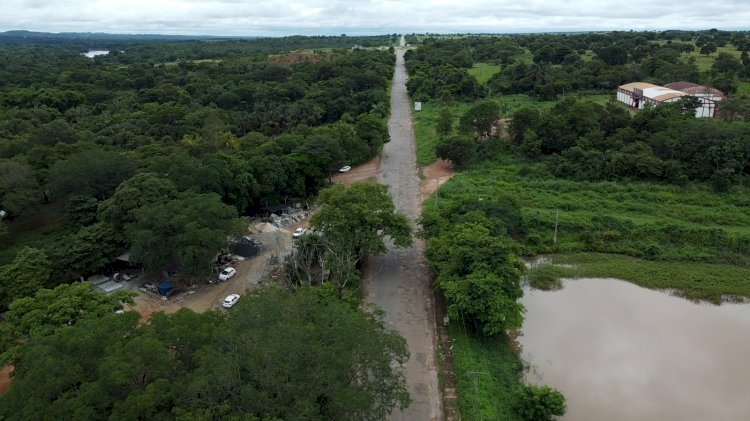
x: 287, y: 17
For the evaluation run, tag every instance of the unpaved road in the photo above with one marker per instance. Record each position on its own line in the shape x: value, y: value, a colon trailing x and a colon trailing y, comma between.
x: 398, y: 281
x: 206, y: 297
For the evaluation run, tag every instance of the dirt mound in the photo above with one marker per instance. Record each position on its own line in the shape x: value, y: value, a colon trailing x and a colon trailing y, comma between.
x: 435, y: 174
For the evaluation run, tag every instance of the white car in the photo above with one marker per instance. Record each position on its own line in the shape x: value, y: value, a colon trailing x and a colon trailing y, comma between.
x: 299, y: 232
x: 230, y: 301
x: 345, y: 169
x: 227, y: 273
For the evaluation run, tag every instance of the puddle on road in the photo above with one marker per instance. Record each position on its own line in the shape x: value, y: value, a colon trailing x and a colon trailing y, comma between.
x: 621, y: 352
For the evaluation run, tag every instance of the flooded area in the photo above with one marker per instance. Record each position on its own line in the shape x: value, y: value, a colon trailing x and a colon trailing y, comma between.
x: 621, y: 352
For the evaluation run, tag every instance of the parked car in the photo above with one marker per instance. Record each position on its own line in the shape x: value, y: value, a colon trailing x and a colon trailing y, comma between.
x: 230, y: 300
x: 299, y: 232
x: 345, y: 169
x: 227, y: 273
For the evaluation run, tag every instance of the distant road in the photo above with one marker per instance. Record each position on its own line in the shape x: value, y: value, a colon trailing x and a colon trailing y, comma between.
x: 398, y: 280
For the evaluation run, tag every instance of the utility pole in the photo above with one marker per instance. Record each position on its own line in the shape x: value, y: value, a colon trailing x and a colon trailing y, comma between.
x: 557, y: 216
x: 437, y: 193
x: 476, y: 375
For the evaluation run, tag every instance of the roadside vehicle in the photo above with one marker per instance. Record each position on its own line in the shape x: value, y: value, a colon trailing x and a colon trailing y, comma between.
x: 227, y: 273
x: 299, y: 232
x: 345, y: 169
x: 230, y: 301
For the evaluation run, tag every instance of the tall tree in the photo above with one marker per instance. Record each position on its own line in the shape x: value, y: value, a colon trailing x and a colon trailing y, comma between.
x: 276, y: 355
x: 28, y: 272
x: 93, y: 173
x: 184, y: 233
x: 361, y: 216
x: 480, y: 119
x: 444, y: 125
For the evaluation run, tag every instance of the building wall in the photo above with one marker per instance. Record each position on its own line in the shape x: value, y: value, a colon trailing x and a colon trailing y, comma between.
x: 707, y: 109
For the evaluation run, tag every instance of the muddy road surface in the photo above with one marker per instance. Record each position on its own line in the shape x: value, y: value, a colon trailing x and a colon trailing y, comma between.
x: 398, y: 281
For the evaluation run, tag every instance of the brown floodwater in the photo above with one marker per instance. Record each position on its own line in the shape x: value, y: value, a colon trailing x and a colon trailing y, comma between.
x: 621, y: 352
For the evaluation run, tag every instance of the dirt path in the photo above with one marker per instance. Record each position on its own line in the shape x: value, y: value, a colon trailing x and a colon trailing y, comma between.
x: 398, y: 281
x: 434, y: 175
x: 205, y: 297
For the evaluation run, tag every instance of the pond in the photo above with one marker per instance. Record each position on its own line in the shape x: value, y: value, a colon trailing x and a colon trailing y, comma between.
x: 621, y: 352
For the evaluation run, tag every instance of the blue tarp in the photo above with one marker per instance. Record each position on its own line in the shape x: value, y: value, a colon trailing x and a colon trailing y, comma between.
x: 165, y: 287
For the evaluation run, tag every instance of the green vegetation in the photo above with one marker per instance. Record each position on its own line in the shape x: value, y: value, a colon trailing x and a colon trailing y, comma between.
x: 350, y: 227
x: 698, y: 281
x: 275, y: 355
x: 657, y: 198
x: 483, y: 71
x: 425, y: 129
x: 120, y: 152
x: 489, y: 372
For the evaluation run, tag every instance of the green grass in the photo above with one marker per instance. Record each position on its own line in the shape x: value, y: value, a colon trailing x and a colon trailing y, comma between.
x: 492, y: 399
x: 698, y: 281
x: 743, y: 88
x: 424, y: 128
x: 484, y: 71
x: 655, y: 235
x: 704, y: 62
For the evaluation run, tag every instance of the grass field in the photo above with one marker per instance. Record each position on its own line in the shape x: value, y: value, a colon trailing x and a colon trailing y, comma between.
x: 704, y: 62
x: 658, y: 236
x: 424, y: 128
x: 483, y: 71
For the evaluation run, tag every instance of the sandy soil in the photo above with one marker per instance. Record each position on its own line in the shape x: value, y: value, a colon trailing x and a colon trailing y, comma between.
x: 434, y: 175
x: 364, y: 172
x: 5, y: 378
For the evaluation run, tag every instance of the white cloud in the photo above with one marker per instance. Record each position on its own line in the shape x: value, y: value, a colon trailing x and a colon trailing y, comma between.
x: 248, y: 17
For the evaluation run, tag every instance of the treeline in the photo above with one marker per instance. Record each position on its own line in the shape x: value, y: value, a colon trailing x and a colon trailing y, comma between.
x: 101, y: 156
x: 547, y: 65
x: 438, y: 68
x: 586, y: 141
x: 184, y: 46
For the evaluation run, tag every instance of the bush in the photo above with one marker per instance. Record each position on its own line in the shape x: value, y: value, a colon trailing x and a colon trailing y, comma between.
x: 539, y: 403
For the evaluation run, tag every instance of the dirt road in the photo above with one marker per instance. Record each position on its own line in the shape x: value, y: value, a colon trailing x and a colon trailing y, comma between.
x: 397, y: 281
x: 249, y: 274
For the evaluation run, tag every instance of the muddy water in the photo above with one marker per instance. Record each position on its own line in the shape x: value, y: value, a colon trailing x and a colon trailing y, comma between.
x: 621, y: 352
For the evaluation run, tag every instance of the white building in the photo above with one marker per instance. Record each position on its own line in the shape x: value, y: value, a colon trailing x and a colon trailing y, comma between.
x: 638, y: 94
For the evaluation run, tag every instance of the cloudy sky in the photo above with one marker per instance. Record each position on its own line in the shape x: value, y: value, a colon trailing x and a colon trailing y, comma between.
x: 283, y: 17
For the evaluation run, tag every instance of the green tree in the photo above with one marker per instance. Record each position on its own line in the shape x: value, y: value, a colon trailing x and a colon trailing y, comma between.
x: 461, y: 150
x: 539, y: 403
x: 88, y: 250
x: 444, y: 125
x: 480, y: 119
x: 91, y: 173
x: 276, y: 355
x: 49, y: 310
x: 361, y: 216
x: 726, y: 64
x: 708, y: 49
x: 140, y: 190
x: 28, y: 272
x: 18, y: 187
x: 479, y: 275
x: 184, y: 234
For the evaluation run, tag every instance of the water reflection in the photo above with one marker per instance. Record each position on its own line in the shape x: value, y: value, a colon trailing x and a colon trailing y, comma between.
x: 621, y: 352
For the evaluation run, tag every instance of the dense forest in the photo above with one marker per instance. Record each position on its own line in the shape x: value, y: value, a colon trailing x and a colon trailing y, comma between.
x: 96, y: 155
x: 159, y: 148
